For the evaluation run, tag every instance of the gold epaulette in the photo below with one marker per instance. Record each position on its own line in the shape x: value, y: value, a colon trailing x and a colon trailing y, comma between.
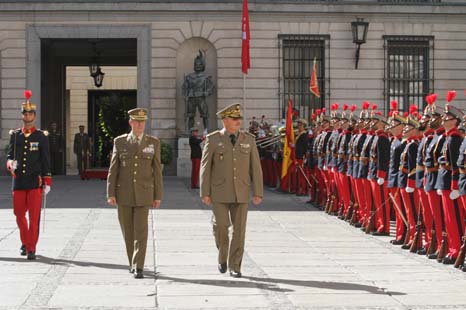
x: 213, y: 133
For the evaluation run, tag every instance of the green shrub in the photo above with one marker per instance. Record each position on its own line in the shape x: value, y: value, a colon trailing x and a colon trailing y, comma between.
x: 166, y: 153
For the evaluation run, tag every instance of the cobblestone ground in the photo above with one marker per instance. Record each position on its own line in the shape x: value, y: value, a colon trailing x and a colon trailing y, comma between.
x: 297, y: 257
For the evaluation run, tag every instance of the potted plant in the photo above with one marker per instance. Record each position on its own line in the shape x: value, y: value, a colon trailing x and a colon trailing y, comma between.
x: 166, y: 153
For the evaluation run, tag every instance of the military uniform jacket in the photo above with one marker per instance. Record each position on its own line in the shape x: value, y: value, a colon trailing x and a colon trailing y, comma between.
x: 227, y: 171
x: 421, y: 155
x: 379, y: 156
x: 364, y: 156
x: 407, y: 171
x: 358, y: 144
x: 433, y: 152
x: 448, y: 174
x: 342, y: 160
x: 462, y: 167
x: 349, y: 153
x: 31, y: 150
x: 322, y: 148
x: 396, y: 147
x: 135, y: 174
x: 301, y: 145
x: 331, y: 149
x: 81, y: 143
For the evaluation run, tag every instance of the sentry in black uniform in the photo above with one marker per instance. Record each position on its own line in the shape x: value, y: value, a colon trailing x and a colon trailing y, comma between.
x: 29, y: 163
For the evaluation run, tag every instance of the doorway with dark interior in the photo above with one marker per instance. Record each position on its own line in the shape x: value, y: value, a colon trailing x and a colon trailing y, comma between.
x: 107, y: 119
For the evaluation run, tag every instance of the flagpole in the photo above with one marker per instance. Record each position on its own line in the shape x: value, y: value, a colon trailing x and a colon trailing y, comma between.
x: 244, y: 100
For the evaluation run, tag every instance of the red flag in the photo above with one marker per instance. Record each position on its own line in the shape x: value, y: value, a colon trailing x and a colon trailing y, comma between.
x: 313, y: 83
x: 245, y: 59
x: 288, y: 146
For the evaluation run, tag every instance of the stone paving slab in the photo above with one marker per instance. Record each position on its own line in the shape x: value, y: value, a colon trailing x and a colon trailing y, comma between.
x: 297, y: 257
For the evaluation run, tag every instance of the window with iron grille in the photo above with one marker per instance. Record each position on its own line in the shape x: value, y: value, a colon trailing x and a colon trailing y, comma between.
x: 296, y: 58
x: 409, y: 70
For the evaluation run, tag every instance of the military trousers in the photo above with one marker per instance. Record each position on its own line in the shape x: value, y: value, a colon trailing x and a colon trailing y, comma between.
x: 226, y: 214
x: 28, y: 201
x: 134, y: 226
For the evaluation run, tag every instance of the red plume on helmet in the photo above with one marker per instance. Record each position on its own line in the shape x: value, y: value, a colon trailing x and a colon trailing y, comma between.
x: 318, y: 111
x: 353, y: 108
x: 412, y: 109
x: 324, y: 110
x: 27, y: 94
x: 345, y: 106
x: 451, y: 94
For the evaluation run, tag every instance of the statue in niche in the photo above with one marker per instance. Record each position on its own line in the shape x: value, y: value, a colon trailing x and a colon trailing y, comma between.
x: 196, y: 88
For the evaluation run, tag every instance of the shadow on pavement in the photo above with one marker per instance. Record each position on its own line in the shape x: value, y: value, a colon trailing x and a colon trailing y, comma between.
x: 271, y: 284
x: 65, y: 262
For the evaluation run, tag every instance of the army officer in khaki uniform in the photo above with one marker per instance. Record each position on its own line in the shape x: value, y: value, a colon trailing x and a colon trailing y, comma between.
x: 135, y: 184
x: 230, y: 164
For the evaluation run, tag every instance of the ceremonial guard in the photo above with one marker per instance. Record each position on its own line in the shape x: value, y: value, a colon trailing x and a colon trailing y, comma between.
x: 230, y: 164
x: 28, y: 161
x: 196, y: 155
x: 134, y: 185
x: 433, y: 152
x: 426, y: 220
x: 81, y: 147
x: 301, y: 152
x: 407, y: 174
x: 447, y: 181
x: 344, y: 189
x: 378, y: 167
x: 396, y: 147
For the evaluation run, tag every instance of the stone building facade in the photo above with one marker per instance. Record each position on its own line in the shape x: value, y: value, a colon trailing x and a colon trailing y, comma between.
x: 412, y: 48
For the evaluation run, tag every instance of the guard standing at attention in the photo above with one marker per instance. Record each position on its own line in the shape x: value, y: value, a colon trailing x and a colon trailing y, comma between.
x: 29, y: 163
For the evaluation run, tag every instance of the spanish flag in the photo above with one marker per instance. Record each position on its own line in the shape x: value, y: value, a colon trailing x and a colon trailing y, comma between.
x: 289, y: 146
x: 313, y: 83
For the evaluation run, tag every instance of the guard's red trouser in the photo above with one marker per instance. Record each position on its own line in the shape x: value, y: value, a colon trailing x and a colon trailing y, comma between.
x: 411, y: 204
x: 344, y: 191
x: 426, y: 215
x: 195, y: 166
x: 28, y: 201
x: 453, y: 223
x: 360, y: 196
x: 382, y: 206
x: 301, y: 174
x: 436, y: 209
x: 400, y: 225
x: 367, y: 198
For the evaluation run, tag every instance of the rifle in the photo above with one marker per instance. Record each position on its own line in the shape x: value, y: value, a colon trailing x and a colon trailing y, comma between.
x: 444, y: 245
x: 354, y: 216
x: 433, y: 241
x: 397, y: 207
x: 417, y: 239
x: 460, y: 259
x: 371, y: 221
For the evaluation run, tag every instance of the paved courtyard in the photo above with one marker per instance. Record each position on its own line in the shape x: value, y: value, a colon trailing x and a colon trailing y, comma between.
x: 297, y: 257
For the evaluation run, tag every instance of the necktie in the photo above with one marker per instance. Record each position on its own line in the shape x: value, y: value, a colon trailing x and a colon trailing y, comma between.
x: 233, y: 139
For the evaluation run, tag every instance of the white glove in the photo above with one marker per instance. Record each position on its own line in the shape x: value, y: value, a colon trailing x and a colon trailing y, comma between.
x: 46, y: 189
x: 439, y: 192
x: 325, y: 168
x: 409, y: 189
x: 454, y: 194
x: 12, y: 165
x: 380, y: 181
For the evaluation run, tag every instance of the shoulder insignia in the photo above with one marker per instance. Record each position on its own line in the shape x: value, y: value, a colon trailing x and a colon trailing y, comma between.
x: 456, y: 134
x: 213, y: 133
x: 249, y: 134
x: 152, y: 138
x: 123, y: 136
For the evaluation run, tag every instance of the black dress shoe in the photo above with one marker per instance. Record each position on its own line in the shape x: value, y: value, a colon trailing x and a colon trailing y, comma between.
x: 380, y: 233
x: 396, y: 242
x: 432, y: 256
x: 22, y: 250
x: 138, y: 274
x: 406, y: 246
x: 235, y: 274
x: 448, y: 260
x: 31, y: 256
x: 222, y: 267
x: 463, y: 269
x: 422, y: 251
